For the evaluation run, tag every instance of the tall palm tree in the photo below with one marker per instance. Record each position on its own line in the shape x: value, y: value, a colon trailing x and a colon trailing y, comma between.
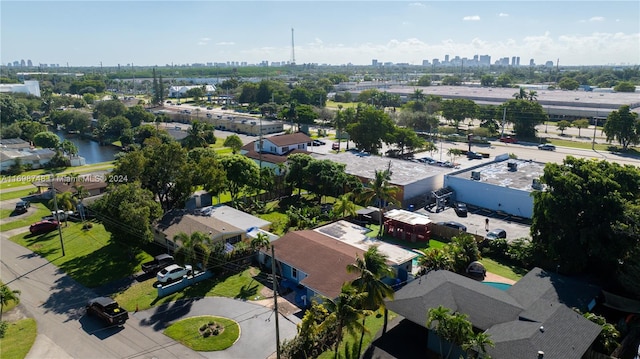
x: 193, y: 247
x: 521, y: 94
x: 260, y: 241
x: 344, y: 206
x: 381, y: 191
x: 372, y: 268
x: 418, y: 95
x: 533, y: 95
x: 345, y: 314
x: 7, y: 295
x: 195, y: 136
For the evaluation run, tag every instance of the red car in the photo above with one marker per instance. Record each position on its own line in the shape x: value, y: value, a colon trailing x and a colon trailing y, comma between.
x: 43, y: 227
x: 508, y: 139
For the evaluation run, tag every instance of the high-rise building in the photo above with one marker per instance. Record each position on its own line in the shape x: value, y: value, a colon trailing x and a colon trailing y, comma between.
x: 22, y: 63
x: 29, y: 63
x: 485, y: 60
x: 518, y: 61
x: 513, y: 61
x: 446, y: 58
x: 374, y: 62
x: 425, y: 63
x: 531, y: 62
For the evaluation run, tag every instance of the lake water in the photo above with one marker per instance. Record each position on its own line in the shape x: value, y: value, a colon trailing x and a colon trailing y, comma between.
x: 90, y: 150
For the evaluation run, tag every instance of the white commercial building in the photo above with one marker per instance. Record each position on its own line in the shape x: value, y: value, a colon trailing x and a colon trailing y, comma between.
x: 28, y: 87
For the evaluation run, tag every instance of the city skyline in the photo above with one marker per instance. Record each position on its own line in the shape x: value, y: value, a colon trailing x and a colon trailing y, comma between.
x: 146, y: 33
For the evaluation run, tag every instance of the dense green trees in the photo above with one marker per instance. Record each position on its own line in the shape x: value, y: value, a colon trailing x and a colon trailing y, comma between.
x: 568, y: 83
x: 12, y: 110
x: 47, y: 140
x: 370, y: 129
x: 524, y: 115
x: 127, y: 212
x: 457, y: 110
x: 110, y: 108
x: 588, y: 215
x: 623, y: 126
x: 242, y: 173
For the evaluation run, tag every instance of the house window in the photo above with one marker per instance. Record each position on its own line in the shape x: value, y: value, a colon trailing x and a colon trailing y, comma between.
x: 294, y: 273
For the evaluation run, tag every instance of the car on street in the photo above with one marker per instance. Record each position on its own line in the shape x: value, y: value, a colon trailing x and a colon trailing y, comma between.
x: 22, y: 206
x: 454, y: 225
x: 318, y: 143
x: 547, y: 147
x: 508, y: 139
x: 335, y: 146
x: 427, y: 160
x: 461, y: 209
x: 108, y: 310
x: 497, y: 233
x: 474, y: 155
x: 209, y: 108
x: 173, y: 272
x: 43, y: 227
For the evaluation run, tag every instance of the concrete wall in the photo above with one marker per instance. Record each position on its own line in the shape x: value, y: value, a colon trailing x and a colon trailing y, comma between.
x: 422, y: 187
x: 509, y: 200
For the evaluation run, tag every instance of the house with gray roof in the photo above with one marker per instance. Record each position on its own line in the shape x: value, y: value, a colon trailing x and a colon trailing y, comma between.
x: 533, y: 316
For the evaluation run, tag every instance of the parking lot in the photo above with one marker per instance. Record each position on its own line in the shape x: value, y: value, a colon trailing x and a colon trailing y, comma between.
x: 476, y: 218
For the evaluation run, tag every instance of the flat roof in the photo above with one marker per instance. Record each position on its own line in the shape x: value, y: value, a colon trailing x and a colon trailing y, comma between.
x: 407, y: 217
x: 356, y: 236
x: 499, y: 173
x: 404, y: 172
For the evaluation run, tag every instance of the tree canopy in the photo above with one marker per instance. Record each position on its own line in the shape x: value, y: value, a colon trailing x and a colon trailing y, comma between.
x: 587, y: 215
x: 623, y: 126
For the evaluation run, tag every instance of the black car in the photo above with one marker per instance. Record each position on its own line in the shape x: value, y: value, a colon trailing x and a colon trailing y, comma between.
x: 454, y: 225
x: 474, y: 155
x: 22, y: 206
x: 461, y: 209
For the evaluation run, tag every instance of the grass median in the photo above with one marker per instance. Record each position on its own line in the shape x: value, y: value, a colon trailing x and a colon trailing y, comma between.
x: 40, y: 211
x: 18, y: 339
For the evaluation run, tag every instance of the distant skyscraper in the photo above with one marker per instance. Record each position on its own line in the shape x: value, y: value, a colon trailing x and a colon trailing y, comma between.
x: 425, y: 63
x: 518, y: 61
x: 485, y: 60
x: 374, y: 62
x: 22, y: 63
x: 531, y: 62
x: 446, y: 58
x: 29, y: 63
x: 513, y: 61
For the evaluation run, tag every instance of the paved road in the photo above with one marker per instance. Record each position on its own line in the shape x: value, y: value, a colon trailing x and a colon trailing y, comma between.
x: 56, y: 301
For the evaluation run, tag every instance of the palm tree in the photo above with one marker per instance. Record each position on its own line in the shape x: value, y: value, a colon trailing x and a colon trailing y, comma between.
x: 7, y: 295
x: 372, y: 268
x: 344, y: 206
x: 520, y: 95
x: 458, y: 330
x: 533, y: 95
x: 260, y: 241
x: 193, y: 247
x: 380, y: 190
x: 477, y: 344
x: 66, y: 201
x: 195, y: 136
x: 344, y: 314
x: 418, y: 95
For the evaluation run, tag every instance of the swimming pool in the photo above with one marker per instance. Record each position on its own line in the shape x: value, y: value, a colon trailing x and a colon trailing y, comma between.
x: 501, y: 286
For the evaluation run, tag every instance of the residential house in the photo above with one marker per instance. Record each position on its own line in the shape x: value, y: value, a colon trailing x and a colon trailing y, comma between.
x: 14, y: 144
x: 221, y: 223
x: 533, y: 317
x: 274, y: 150
x: 314, y: 262
x: 30, y: 158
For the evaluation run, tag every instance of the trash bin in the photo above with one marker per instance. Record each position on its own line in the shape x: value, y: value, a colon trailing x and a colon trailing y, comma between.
x: 410, y: 208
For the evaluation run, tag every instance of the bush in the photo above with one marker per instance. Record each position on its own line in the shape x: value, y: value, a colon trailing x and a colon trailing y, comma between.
x: 521, y: 250
x: 4, y: 325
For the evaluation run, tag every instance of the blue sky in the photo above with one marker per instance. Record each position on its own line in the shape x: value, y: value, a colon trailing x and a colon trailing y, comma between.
x: 85, y: 33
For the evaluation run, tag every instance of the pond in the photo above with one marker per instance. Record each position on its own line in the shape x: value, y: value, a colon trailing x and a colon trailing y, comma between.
x: 90, y: 150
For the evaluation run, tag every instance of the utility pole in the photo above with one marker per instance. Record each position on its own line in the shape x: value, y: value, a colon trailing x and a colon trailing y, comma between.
x: 275, y: 299
x: 57, y: 216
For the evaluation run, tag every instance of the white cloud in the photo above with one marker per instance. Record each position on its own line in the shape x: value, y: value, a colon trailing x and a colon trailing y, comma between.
x: 417, y: 4
x: 205, y: 39
x: 202, y: 43
x: 596, y: 18
x: 225, y: 43
x: 503, y: 14
x: 471, y: 18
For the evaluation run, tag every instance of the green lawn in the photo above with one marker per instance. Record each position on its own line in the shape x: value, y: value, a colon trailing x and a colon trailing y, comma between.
x: 90, y: 257
x: 373, y: 324
x: 5, y: 195
x: 143, y: 295
x: 187, y: 332
x: 18, y: 339
x: 41, y: 211
x: 5, y: 213
x: 502, y: 269
x: 579, y: 144
x: 334, y: 105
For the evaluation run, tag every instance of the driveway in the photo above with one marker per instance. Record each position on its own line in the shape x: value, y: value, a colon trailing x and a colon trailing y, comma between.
x: 57, y: 302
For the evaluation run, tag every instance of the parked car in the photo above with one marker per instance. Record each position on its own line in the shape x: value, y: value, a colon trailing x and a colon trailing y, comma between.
x: 158, y: 262
x: 335, y: 146
x: 454, y: 225
x: 317, y: 143
x: 474, y: 155
x: 495, y: 234
x: 508, y: 139
x: 173, y: 272
x: 108, y: 310
x: 461, y: 209
x: 209, y: 108
x: 547, y: 147
x: 22, y: 206
x: 43, y: 227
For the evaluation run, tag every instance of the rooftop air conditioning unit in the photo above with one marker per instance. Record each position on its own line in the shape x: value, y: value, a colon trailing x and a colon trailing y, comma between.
x: 475, y: 175
x: 512, y: 166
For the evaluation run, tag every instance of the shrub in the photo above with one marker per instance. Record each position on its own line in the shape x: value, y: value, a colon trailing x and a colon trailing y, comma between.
x: 4, y: 325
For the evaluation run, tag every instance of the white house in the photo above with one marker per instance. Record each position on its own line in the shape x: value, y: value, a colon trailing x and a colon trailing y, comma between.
x: 181, y: 91
x: 274, y: 150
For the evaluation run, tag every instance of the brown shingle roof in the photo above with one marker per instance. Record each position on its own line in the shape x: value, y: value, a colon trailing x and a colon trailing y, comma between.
x: 289, y: 139
x: 174, y: 222
x: 322, y: 258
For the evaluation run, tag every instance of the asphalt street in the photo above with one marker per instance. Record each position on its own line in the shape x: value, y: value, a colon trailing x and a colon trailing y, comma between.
x: 57, y: 302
